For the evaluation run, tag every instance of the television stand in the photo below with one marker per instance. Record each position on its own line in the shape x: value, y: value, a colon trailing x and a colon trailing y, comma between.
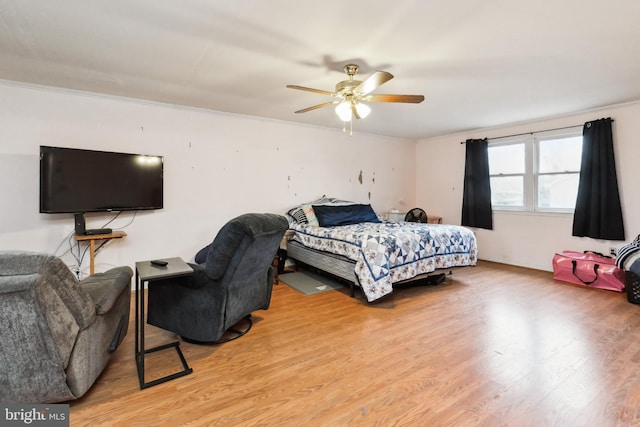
x: 92, y: 243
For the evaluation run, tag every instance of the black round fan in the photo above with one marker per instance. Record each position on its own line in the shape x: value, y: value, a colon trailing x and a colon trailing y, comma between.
x: 416, y: 215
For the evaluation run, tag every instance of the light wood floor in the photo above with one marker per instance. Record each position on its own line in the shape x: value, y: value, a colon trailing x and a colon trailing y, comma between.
x: 493, y: 346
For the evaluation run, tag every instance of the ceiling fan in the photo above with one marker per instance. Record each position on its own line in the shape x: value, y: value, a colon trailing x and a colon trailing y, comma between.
x: 352, y: 94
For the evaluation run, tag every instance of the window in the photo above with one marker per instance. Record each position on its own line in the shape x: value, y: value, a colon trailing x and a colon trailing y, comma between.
x: 536, y: 172
x: 507, y: 169
x: 558, y: 172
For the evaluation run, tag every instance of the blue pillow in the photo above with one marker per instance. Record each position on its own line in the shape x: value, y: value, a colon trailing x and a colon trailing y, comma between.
x: 329, y: 216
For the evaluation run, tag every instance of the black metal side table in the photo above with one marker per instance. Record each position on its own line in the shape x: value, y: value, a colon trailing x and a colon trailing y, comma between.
x: 147, y: 272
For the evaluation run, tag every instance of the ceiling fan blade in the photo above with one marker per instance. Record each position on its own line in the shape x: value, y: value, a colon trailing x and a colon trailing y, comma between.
x: 372, y: 82
x: 413, y: 99
x: 315, y: 107
x: 308, y: 89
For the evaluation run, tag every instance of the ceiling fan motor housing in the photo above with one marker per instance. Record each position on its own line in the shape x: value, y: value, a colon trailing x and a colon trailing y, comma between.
x: 347, y: 86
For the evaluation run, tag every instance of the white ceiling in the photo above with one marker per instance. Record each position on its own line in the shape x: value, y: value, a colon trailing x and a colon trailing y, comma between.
x: 479, y: 63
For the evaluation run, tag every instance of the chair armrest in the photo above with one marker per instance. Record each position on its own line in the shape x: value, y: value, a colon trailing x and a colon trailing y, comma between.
x: 104, y: 288
x: 199, y: 278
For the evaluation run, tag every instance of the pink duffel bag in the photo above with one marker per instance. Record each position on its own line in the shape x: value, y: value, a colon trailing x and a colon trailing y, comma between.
x: 589, y: 269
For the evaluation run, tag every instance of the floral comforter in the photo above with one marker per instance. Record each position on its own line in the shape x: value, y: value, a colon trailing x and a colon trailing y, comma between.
x: 389, y: 252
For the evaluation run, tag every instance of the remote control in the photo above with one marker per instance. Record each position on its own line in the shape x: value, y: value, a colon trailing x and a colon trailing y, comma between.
x: 159, y: 263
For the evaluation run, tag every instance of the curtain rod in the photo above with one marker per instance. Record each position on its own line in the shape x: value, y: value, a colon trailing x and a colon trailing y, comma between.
x: 531, y: 133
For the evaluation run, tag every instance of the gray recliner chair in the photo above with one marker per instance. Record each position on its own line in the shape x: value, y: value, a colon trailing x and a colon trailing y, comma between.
x: 235, y: 280
x: 57, y: 332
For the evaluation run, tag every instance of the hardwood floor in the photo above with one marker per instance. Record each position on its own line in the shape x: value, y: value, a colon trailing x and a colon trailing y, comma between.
x: 494, y: 345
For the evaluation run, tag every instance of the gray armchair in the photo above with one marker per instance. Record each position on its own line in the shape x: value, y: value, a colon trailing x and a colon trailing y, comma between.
x: 235, y: 280
x: 57, y: 332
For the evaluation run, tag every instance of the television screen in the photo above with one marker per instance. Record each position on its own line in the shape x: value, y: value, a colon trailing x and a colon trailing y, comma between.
x: 77, y: 181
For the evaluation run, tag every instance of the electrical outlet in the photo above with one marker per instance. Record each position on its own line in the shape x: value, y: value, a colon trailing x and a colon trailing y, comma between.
x: 613, y: 251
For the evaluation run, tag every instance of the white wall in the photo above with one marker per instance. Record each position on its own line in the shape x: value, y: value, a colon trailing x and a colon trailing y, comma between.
x: 217, y: 166
x: 526, y: 239
x: 220, y: 165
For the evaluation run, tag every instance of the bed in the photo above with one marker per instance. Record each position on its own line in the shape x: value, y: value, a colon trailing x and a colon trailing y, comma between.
x: 352, y: 242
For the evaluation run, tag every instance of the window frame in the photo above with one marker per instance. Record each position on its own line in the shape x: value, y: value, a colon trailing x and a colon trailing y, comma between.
x: 531, y: 174
x: 517, y: 140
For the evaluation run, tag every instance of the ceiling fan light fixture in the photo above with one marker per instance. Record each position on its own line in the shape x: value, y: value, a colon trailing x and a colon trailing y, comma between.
x: 343, y: 110
x: 363, y: 110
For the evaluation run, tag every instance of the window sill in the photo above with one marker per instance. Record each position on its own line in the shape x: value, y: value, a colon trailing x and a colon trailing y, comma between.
x: 532, y: 213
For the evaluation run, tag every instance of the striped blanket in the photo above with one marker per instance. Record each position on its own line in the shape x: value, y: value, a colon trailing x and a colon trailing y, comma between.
x: 628, y: 255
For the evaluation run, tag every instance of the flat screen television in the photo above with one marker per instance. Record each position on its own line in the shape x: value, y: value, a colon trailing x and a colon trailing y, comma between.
x: 77, y: 181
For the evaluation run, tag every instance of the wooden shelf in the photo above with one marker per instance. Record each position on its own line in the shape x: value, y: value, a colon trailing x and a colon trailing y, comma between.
x: 92, y: 244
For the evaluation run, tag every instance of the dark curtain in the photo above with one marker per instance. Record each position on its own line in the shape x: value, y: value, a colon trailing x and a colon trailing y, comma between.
x: 598, y: 213
x: 476, y: 197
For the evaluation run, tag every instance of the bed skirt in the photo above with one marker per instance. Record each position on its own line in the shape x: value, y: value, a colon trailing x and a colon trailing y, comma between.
x: 340, y: 266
